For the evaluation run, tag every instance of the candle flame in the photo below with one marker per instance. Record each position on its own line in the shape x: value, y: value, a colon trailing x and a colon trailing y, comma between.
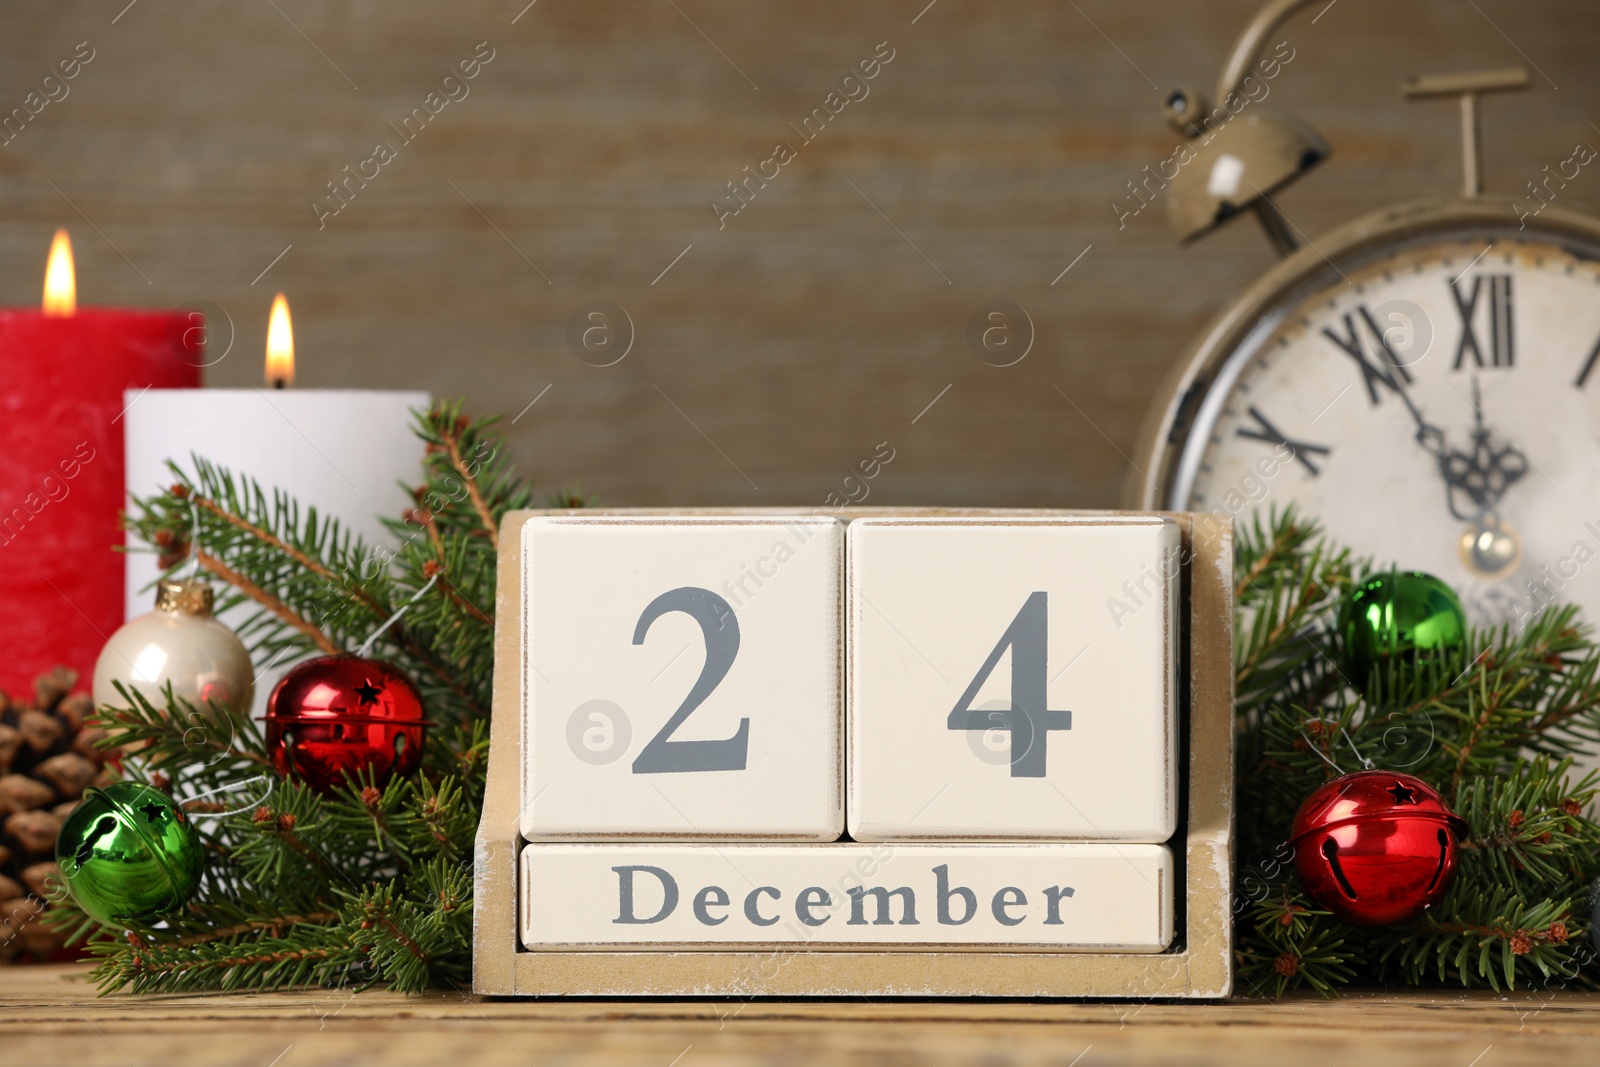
x: 280, y: 345
x: 60, y: 285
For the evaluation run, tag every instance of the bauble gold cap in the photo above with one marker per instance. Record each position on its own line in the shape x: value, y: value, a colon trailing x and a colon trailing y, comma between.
x: 187, y: 595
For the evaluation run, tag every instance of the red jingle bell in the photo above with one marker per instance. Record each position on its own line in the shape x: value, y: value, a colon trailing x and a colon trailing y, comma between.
x: 1375, y: 847
x: 343, y: 714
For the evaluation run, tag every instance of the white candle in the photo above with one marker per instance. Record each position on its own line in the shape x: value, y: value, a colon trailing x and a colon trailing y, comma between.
x: 348, y: 453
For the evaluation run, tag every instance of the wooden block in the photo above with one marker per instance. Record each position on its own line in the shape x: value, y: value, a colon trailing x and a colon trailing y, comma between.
x: 1012, y: 678
x: 1083, y: 897
x: 1197, y: 962
x: 682, y: 677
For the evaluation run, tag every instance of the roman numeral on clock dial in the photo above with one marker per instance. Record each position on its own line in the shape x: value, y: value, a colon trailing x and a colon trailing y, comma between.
x: 1588, y: 365
x: 1264, y: 430
x: 1387, y: 372
x: 1501, y: 343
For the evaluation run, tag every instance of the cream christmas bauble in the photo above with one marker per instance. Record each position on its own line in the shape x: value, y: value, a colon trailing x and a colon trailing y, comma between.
x: 181, y: 644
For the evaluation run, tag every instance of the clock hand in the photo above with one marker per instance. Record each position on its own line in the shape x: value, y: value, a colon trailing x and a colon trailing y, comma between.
x: 1484, y: 474
x: 1391, y: 374
x: 1429, y: 436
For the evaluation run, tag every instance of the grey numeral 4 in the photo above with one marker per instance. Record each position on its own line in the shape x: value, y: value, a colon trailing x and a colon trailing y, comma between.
x: 1027, y: 719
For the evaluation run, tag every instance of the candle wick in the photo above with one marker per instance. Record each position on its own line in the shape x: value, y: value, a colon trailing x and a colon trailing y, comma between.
x: 277, y: 383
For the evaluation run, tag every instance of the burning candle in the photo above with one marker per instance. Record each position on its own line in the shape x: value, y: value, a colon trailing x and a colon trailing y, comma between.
x: 61, y: 464
x: 349, y: 453
x: 280, y: 344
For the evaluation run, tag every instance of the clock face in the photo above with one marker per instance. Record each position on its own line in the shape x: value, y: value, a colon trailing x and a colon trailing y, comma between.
x: 1435, y: 406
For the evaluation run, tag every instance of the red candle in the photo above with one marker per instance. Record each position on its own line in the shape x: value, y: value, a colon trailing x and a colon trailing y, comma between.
x: 61, y: 465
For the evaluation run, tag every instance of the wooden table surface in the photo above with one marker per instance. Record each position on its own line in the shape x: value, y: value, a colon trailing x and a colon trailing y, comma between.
x: 50, y: 1015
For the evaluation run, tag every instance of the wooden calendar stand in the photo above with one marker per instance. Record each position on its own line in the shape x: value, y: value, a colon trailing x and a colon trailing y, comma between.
x: 1197, y: 964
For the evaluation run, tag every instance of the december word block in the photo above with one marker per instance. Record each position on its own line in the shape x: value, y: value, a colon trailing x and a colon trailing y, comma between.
x: 1083, y: 897
x: 682, y: 677
x: 1012, y: 678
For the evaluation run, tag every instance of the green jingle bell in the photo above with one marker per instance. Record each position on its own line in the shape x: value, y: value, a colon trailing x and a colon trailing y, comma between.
x: 129, y: 854
x: 1405, y: 616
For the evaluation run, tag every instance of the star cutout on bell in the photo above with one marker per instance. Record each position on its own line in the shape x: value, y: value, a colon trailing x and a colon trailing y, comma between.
x: 368, y: 692
x: 1401, y: 794
x: 152, y: 811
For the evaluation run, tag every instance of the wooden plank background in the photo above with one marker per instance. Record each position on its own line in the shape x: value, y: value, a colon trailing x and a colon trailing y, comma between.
x: 778, y: 351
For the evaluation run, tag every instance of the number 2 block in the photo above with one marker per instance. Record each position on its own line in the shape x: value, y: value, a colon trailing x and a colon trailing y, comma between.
x: 682, y: 677
x: 1012, y: 678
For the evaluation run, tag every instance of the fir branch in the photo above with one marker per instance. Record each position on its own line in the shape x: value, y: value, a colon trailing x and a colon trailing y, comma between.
x: 1494, y: 725
x: 1490, y: 706
x: 276, y: 925
x: 370, y: 883
x: 1259, y: 555
x: 449, y: 589
x: 449, y: 433
x: 211, y: 744
x: 490, y: 528
x: 142, y: 966
x: 265, y: 537
x: 266, y: 600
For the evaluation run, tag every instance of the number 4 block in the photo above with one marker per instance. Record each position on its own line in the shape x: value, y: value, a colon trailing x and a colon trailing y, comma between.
x: 1012, y: 678
x: 682, y: 677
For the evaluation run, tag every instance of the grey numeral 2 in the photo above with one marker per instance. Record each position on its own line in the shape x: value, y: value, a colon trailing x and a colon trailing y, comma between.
x: 720, y: 630
x: 1027, y: 719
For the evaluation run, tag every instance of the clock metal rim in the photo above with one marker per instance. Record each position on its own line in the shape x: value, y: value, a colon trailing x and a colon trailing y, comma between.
x: 1216, y: 355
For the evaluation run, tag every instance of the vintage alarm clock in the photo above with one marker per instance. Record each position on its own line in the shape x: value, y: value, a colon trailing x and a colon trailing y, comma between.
x: 1424, y: 381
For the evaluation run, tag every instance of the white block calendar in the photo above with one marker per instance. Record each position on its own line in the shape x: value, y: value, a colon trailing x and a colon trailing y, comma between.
x: 683, y: 677
x: 901, y: 752
x: 1012, y: 678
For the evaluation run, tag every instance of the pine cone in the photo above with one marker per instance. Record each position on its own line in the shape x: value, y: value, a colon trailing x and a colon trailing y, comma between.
x: 48, y: 757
